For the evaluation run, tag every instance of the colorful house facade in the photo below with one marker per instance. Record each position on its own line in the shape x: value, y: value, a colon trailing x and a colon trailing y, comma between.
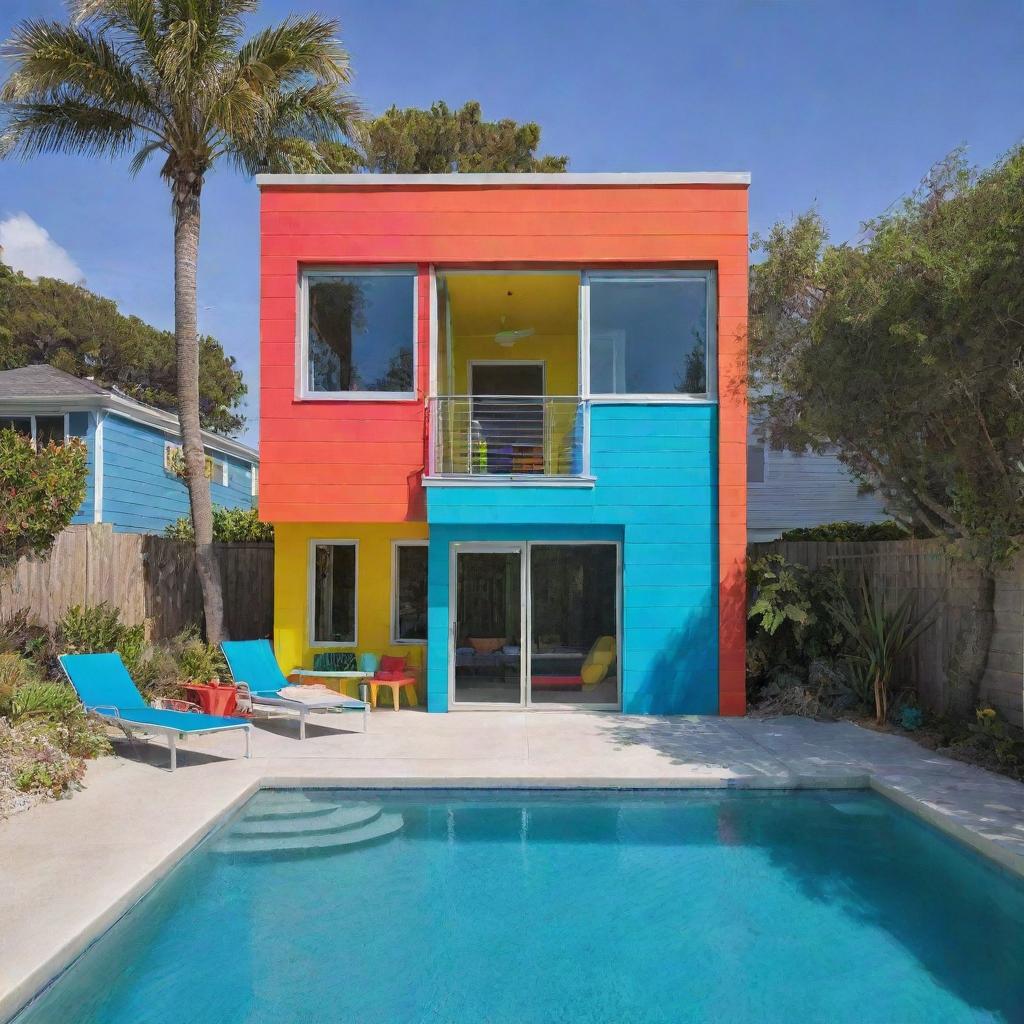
x: 503, y: 432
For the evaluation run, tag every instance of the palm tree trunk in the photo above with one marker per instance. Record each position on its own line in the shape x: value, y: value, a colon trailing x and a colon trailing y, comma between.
x: 186, y: 339
x: 970, y: 657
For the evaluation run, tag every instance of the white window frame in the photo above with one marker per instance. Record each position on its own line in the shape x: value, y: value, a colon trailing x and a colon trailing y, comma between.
x: 254, y: 480
x: 33, y: 428
x: 710, y: 278
x: 395, y: 545
x: 302, y: 389
x: 311, y: 592
x: 215, y: 460
x: 764, y: 463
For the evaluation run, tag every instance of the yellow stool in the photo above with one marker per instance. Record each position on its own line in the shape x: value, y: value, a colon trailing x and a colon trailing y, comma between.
x: 406, y: 683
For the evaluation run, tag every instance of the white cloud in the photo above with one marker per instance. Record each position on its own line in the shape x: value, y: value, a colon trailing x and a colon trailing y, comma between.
x: 28, y: 247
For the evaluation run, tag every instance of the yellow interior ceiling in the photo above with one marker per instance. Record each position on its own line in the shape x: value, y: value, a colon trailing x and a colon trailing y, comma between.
x: 483, y: 304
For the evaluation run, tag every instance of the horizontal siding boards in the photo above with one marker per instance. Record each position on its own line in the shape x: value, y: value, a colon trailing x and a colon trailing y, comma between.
x: 668, y: 517
x: 151, y: 580
x: 139, y: 495
x: 947, y: 586
x: 83, y: 425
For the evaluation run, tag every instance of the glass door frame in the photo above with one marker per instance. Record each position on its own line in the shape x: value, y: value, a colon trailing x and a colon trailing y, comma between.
x: 523, y: 549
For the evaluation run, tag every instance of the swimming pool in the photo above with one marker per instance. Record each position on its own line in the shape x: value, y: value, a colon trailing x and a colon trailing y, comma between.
x: 520, y: 907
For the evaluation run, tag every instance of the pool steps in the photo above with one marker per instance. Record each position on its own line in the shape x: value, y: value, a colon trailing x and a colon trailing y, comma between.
x: 296, y: 823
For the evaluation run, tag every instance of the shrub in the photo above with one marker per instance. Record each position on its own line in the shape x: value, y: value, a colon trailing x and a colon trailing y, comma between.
x: 196, y: 659
x: 98, y: 629
x: 33, y: 761
x: 42, y: 699
x: 15, y: 672
x: 21, y: 634
x: 790, y: 624
x: 239, y: 525
x: 40, y: 491
x: 847, y: 531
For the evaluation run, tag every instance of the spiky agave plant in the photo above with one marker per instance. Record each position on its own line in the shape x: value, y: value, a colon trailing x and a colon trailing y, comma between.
x: 173, y: 79
x: 879, y: 634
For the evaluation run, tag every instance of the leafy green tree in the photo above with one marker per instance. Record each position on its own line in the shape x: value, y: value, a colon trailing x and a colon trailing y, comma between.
x: 67, y: 326
x: 441, y: 141
x: 239, y: 525
x: 173, y: 79
x: 40, y: 491
x: 905, y: 351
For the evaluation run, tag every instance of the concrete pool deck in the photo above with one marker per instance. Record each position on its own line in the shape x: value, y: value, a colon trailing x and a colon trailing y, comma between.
x: 69, y: 869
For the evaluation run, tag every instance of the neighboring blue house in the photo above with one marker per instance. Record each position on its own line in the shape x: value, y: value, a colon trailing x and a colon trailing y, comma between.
x: 131, y: 484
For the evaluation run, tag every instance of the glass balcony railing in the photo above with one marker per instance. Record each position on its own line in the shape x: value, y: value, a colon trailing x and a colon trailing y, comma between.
x: 508, y: 436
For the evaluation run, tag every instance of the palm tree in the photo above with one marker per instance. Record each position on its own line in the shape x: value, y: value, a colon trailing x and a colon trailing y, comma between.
x: 173, y: 79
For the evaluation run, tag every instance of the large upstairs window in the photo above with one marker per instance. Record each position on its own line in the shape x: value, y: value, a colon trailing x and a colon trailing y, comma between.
x: 358, y: 334
x: 651, y: 334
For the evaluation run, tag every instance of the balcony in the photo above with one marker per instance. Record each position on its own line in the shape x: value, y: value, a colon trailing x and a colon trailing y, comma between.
x: 528, y: 438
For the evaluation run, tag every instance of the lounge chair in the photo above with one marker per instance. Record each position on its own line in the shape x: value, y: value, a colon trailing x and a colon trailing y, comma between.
x: 106, y: 689
x: 260, y: 680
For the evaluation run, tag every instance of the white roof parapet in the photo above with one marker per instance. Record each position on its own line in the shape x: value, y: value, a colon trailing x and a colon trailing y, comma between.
x: 620, y: 178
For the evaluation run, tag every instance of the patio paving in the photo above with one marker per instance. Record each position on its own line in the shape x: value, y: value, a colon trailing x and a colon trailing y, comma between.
x: 71, y: 868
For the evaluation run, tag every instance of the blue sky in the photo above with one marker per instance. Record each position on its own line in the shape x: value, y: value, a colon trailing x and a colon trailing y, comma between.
x: 840, y: 104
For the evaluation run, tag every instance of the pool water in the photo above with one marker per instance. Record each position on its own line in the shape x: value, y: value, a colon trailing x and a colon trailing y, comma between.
x: 561, y: 908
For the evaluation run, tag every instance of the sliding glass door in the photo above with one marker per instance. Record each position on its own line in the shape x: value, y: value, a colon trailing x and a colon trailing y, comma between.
x: 574, y: 602
x: 535, y: 624
x: 487, y: 628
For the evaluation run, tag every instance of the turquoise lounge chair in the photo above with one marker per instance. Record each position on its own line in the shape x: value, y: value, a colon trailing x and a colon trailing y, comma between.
x: 106, y: 689
x: 259, y: 680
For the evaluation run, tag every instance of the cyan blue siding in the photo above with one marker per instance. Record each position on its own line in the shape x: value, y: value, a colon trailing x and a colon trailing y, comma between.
x: 656, y: 491
x: 83, y: 425
x: 139, y: 495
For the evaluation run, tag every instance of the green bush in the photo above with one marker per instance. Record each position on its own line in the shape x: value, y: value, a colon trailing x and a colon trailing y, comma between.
x: 32, y: 757
x: 42, y: 699
x: 237, y: 525
x: 20, y: 633
x: 847, y: 531
x: 195, y: 659
x: 790, y: 624
x: 40, y: 491
x: 98, y: 629
x: 15, y: 672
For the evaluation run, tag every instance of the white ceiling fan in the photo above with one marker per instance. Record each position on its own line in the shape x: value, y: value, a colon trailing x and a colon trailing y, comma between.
x: 506, y: 339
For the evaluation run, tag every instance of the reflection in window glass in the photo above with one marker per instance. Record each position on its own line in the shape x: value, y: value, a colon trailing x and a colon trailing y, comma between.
x: 360, y: 332
x: 649, y: 336
x: 334, y: 593
x: 49, y: 429
x: 411, y: 592
x: 755, y: 464
x: 20, y: 424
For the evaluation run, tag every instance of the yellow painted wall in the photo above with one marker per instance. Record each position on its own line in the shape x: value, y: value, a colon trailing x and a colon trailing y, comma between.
x: 373, y: 590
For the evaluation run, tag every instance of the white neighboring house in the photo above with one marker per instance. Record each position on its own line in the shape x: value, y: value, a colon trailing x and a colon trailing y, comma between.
x: 785, y: 491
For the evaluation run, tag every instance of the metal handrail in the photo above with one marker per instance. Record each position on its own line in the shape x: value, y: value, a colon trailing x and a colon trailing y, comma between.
x: 508, y: 436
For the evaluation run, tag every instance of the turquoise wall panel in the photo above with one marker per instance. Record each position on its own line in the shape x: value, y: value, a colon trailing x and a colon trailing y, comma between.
x: 656, y: 491
x: 83, y: 425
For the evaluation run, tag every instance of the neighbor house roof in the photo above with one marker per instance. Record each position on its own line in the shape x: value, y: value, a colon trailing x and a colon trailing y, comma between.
x: 44, y: 389
x: 622, y: 178
x: 43, y: 382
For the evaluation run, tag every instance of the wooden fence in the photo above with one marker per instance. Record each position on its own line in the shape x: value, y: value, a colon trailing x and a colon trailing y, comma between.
x: 948, y: 586
x: 151, y: 579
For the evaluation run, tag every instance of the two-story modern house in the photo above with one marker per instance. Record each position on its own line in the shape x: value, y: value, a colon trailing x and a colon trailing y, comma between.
x: 503, y: 431
x: 131, y: 448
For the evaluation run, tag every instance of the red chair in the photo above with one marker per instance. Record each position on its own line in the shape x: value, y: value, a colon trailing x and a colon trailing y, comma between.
x: 394, y: 673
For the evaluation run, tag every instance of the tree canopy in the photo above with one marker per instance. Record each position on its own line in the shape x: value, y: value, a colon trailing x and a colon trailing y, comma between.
x: 75, y: 330
x: 441, y: 141
x: 905, y: 351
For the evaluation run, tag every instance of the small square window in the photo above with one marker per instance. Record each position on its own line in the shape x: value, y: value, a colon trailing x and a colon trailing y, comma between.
x: 359, y: 334
x: 49, y: 430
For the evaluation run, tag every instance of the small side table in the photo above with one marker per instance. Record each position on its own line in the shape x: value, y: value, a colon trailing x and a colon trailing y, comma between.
x: 407, y: 683
x: 318, y: 676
